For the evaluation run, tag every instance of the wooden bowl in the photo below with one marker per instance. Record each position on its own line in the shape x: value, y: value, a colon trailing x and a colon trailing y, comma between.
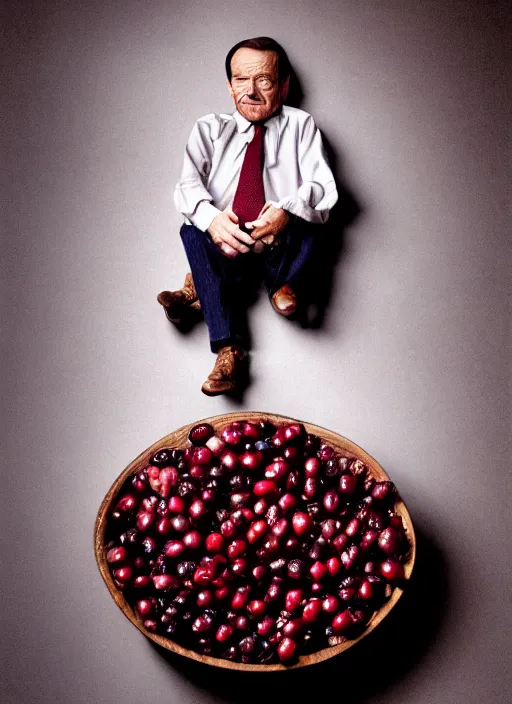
x: 179, y: 438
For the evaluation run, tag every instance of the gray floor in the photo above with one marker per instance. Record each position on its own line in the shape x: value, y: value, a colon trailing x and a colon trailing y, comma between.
x: 412, y: 362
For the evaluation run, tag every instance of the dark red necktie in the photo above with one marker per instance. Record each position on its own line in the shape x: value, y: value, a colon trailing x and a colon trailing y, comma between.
x: 250, y: 196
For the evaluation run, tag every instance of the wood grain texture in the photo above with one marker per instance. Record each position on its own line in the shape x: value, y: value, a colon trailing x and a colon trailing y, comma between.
x: 179, y: 438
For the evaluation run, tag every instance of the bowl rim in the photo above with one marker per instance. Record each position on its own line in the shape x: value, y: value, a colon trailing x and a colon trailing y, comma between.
x: 219, y: 421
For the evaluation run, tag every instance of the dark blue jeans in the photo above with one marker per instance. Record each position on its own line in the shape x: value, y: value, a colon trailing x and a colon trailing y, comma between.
x: 222, y: 283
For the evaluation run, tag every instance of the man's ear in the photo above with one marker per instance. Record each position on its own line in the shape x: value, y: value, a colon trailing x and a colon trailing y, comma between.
x: 285, y: 87
x: 232, y: 94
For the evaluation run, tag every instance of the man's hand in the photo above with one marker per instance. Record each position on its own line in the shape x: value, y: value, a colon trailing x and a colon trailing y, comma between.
x: 226, y: 234
x: 270, y: 223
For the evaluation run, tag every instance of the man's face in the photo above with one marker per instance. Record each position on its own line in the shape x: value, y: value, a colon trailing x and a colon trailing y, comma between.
x: 254, y: 84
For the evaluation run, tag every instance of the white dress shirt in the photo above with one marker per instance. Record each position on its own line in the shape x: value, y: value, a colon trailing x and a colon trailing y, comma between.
x: 296, y: 175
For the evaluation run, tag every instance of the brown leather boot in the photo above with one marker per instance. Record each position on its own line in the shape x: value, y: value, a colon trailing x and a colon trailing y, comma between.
x: 284, y: 301
x: 178, y: 304
x: 229, y: 371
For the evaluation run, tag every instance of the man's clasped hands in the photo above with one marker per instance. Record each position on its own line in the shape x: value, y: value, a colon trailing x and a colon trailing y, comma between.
x: 232, y: 240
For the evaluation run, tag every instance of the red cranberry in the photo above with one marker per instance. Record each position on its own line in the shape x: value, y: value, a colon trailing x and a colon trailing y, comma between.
x: 347, y: 484
x: 145, y: 520
x: 389, y: 540
x: 301, y: 522
x: 173, y: 548
x: 214, y: 542
x: 366, y: 590
x: 251, y: 460
x: 333, y: 565
x: 229, y: 460
x: 340, y: 542
x: 368, y: 539
x: 256, y: 608
x: 349, y: 557
x: 318, y: 570
x: 163, y: 526
x: 342, y: 622
x: 264, y: 487
x: 266, y: 626
x: 123, y: 574
x: 240, y: 598
x: 224, y: 633
x: 293, y: 599
x: 312, y: 611
x: 259, y: 572
x: 204, y: 598
x: 203, y: 623
x: 310, y: 488
x: 352, y: 527
x: 227, y: 528
x: 163, y: 582
x: 239, y: 566
x: 180, y: 524
x: 126, y: 504
x: 145, y: 607
x: 286, y: 649
x: 330, y: 604
x: 392, y: 570
x: 197, y: 509
x: 232, y: 436
x: 236, y: 548
x: 311, y: 467
x: 280, y: 527
x: 331, y: 501
x: 142, y: 581
x: 193, y: 540
x: 382, y: 490
x: 176, y: 505
x: 287, y: 501
x: 199, y: 434
x: 117, y: 555
x: 204, y: 574
x: 277, y: 470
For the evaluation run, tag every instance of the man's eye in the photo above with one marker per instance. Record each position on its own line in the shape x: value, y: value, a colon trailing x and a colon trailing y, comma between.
x: 264, y: 83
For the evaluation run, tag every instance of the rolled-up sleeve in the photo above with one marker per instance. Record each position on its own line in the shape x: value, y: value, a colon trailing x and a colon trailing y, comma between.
x: 317, y: 191
x: 191, y: 196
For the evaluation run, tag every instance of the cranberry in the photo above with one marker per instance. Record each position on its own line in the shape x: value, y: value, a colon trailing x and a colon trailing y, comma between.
x: 145, y: 607
x: 173, y: 548
x: 311, y: 467
x: 251, y: 460
x: 310, y: 488
x: 231, y: 436
x: 301, y: 522
x: 266, y: 626
x: 383, y: 490
x: 214, y: 542
x: 199, y: 434
x: 224, y: 633
x: 240, y: 598
x: 330, y: 604
x: 229, y: 460
x: 117, y: 555
x: 256, y: 608
x: 340, y: 542
x: 165, y: 581
x: 286, y: 649
x: 347, y: 484
x: 331, y: 501
x: 352, y: 527
x: 123, y: 574
x: 342, y: 622
x: 287, y: 501
x: 333, y: 565
x: 318, y: 570
x: 236, y: 548
x: 350, y: 556
x: 193, y: 540
x: 389, y: 540
x: 312, y: 611
x: 392, y: 570
x: 368, y: 540
x: 277, y: 470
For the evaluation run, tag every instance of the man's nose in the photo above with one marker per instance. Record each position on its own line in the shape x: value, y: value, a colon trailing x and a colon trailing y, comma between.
x: 252, y: 90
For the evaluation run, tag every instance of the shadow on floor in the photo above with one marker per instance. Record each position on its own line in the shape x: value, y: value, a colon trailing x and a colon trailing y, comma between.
x: 396, y: 647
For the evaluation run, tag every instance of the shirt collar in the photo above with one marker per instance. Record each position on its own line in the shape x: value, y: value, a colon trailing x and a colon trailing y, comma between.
x: 274, y: 125
x: 243, y: 124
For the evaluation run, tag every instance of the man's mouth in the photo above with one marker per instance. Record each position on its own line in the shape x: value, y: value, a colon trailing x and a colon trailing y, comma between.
x: 251, y: 101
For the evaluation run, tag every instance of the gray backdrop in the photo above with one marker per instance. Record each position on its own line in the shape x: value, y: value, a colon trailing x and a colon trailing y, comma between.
x: 412, y: 361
